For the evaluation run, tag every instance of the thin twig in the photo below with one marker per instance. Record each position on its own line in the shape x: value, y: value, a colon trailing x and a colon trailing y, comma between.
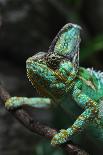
x: 37, y: 127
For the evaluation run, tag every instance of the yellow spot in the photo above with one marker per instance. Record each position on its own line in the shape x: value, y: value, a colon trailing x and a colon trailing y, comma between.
x: 64, y: 133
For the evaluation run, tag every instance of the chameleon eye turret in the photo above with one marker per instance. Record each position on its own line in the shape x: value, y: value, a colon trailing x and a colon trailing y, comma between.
x: 53, y: 60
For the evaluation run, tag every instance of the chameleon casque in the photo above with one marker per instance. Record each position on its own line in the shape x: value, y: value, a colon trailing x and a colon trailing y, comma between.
x: 58, y: 76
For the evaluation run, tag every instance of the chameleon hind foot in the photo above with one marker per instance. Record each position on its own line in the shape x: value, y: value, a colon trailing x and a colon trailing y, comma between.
x: 60, y: 137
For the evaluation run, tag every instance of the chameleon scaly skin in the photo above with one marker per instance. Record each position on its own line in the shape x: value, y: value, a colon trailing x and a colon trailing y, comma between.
x: 57, y: 75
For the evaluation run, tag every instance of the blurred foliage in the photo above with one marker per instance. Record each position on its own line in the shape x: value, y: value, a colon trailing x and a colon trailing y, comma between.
x: 92, y: 46
x: 44, y: 148
x: 75, y: 3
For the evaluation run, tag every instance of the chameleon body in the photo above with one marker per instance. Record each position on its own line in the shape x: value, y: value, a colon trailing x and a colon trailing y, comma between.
x: 58, y: 76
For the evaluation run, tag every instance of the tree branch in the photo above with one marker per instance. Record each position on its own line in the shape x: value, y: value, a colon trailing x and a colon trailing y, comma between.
x: 37, y: 127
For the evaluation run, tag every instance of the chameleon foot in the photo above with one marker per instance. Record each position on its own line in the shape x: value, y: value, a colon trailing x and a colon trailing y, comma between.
x: 60, y: 138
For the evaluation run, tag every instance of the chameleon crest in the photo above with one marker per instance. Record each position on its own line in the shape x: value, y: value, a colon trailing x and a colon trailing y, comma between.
x: 66, y: 43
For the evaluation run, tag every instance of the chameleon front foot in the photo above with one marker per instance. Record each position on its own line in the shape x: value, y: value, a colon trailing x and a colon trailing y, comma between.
x: 60, y: 138
x: 13, y: 103
x: 35, y: 102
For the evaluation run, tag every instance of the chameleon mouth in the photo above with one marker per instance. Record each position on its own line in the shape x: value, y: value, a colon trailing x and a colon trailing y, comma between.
x: 42, y: 77
x: 40, y: 88
x: 43, y: 72
x: 39, y: 76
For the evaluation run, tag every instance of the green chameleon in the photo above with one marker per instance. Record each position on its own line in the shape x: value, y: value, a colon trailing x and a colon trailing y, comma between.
x: 58, y: 77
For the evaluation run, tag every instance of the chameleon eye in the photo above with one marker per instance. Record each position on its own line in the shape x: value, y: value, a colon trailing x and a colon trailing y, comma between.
x: 53, y: 60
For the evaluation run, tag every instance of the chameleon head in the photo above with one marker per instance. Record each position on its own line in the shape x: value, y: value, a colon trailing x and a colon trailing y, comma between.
x: 52, y: 72
x: 41, y: 71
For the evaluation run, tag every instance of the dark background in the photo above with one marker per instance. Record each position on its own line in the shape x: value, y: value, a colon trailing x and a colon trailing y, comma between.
x: 26, y: 27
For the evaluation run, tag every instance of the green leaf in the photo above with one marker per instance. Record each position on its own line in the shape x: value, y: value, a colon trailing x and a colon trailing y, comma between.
x: 93, y: 46
x: 45, y: 148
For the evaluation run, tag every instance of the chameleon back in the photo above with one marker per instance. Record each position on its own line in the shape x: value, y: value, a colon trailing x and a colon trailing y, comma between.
x: 92, y: 86
x: 92, y: 83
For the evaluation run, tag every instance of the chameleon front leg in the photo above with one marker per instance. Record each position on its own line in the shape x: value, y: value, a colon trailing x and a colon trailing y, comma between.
x: 16, y: 102
x: 87, y: 116
x: 78, y: 126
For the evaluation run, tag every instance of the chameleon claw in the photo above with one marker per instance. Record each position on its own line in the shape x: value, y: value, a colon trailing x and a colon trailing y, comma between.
x: 60, y: 138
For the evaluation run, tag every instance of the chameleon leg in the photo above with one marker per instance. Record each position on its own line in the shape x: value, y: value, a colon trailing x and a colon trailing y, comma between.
x: 16, y: 102
x: 82, y: 99
x: 78, y: 126
x: 90, y: 112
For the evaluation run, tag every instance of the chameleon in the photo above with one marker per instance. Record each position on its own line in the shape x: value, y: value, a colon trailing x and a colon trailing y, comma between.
x: 56, y: 74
